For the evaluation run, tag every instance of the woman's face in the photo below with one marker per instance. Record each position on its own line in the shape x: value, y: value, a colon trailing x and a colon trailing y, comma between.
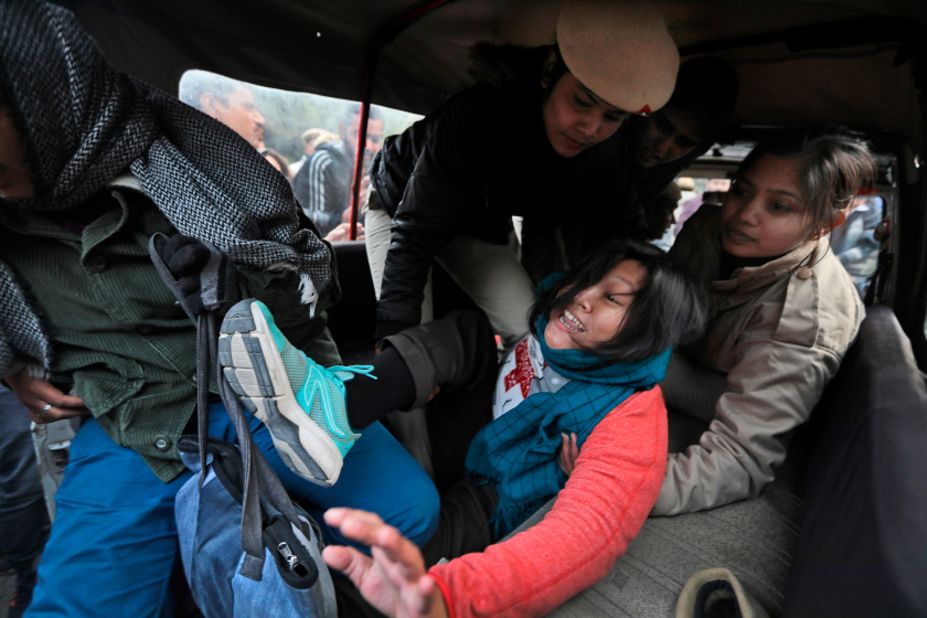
x: 666, y: 136
x: 597, y: 313
x: 765, y: 212
x: 15, y: 179
x: 575, y: 118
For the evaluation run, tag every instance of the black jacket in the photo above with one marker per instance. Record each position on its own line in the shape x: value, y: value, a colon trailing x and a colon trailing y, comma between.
x: 561, y: 240
x: 467, y: 168
x: 322, y: 185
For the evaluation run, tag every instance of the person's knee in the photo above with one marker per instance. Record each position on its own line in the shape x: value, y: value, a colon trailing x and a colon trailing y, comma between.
x: 475, y: 325
x: 419, y: 522
x: 469, y: 320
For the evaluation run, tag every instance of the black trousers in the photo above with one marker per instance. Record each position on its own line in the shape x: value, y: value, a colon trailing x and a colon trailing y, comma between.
x: 463, y: 525
x: 456, y: 354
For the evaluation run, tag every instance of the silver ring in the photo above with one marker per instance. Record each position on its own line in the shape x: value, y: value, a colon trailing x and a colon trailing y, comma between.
x: 45, y: 410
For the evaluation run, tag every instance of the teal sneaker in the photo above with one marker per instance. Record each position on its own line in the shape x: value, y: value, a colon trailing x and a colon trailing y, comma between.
x: 301, y: 403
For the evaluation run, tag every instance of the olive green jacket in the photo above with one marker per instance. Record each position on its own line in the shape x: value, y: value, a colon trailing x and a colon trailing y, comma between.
x: 116, y: 334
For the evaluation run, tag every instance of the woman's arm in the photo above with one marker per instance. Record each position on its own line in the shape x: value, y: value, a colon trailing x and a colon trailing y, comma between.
x: 770, y: 391
x: 595, y: 517
x: 444, y: 196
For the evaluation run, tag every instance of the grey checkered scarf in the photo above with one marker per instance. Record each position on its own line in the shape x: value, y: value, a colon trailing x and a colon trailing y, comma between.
x: 84, y: 124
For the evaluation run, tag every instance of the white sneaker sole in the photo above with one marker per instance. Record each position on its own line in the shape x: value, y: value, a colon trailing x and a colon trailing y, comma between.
x: 254, y: 369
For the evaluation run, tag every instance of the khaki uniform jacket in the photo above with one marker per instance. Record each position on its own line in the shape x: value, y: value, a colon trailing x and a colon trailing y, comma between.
x: 777, y: 335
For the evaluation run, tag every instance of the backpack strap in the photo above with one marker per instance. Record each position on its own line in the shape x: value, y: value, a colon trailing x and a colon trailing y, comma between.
x: 259, y: 481
x: 251, y: 519
x: 260, y: 484
x: 214, y: 290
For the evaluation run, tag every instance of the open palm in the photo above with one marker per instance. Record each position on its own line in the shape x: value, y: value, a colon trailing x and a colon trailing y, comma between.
x: 393, y: 578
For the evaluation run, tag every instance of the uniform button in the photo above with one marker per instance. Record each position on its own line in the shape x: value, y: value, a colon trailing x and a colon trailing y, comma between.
x: 804, y: 273
x: 96, y: 263
x: 162, y: 443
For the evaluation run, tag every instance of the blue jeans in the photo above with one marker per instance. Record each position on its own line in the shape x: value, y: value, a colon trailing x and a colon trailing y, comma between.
x: 113, y: 544
x: 23, y: 516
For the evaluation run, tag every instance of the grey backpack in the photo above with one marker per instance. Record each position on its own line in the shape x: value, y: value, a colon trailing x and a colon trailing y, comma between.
x: 292, y: 581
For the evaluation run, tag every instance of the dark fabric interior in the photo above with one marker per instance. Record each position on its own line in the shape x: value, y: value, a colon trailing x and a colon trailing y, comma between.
x: 861, y: 548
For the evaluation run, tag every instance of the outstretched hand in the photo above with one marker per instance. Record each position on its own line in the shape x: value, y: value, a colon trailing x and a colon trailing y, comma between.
x: 393, y: 578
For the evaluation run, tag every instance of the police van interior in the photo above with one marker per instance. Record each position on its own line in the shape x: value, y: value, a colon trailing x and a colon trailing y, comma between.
x: 859, y: 547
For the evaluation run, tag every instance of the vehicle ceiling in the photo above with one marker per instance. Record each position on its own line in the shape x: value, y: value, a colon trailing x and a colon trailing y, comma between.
x: 320, y: 46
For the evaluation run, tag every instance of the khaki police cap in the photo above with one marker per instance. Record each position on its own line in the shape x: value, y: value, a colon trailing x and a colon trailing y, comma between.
x: 621, y: 50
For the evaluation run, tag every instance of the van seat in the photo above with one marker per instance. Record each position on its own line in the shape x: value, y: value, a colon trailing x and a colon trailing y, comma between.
x: 863, y: 544
x: 353, y: 320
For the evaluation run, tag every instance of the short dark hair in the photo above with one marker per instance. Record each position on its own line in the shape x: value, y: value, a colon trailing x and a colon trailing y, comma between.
x: 834, y: 164
x: 347, y: 129
x: 669, y: 308
x: 706, y: 90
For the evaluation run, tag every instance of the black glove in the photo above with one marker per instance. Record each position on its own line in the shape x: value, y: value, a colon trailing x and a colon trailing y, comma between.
x: 197, y: 273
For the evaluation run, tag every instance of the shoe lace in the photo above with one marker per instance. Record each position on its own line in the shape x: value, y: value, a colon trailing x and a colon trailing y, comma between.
x: 347, y: 372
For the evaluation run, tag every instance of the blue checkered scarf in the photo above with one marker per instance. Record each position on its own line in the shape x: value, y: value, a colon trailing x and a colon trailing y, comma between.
x: 519, y: 450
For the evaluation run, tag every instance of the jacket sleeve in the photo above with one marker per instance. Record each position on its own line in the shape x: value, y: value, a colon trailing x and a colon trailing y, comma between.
x: 595, y: 517
x: 446, y: 190
x: 771, y: 389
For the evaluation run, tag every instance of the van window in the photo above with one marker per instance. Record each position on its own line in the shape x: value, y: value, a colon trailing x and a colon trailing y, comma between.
x: 856, y: 240
x: 694, y: 193
x: 309, y: 138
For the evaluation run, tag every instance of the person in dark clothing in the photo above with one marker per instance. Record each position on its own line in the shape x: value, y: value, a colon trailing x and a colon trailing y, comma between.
x: 659, y: 146
x: 447, y: 187
x: 323, y: 184
x: 23, y: 516
x: 667, y: 141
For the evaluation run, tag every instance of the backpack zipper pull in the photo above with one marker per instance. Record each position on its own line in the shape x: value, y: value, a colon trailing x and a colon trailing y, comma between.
x: 292, y: 560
